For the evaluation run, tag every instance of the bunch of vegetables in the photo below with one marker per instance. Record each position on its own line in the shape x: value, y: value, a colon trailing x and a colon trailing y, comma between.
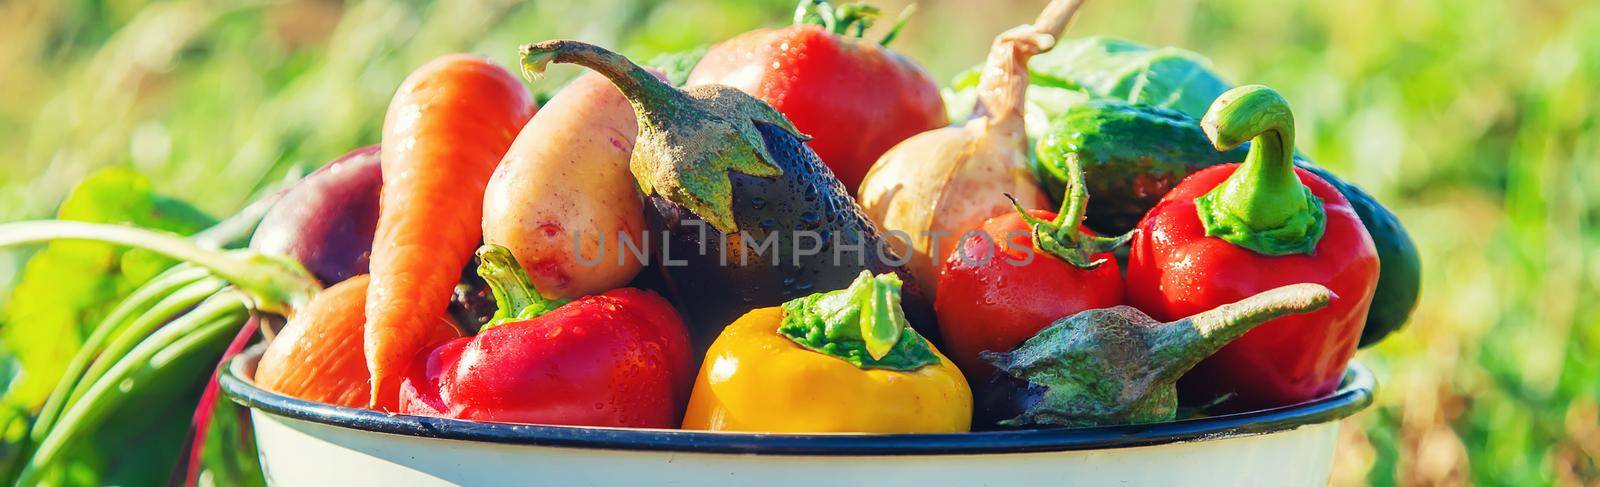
x: 484, y: 261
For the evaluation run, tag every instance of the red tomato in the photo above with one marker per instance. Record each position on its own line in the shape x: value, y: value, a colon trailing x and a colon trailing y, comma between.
x: 997, y: 290
x: 855, y: 98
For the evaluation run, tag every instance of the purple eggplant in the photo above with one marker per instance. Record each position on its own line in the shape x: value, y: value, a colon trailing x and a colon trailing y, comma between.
x: 746, y: 215
x: 326, y: 220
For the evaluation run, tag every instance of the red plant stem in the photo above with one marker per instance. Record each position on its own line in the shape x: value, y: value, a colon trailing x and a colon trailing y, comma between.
x: 201, y: 425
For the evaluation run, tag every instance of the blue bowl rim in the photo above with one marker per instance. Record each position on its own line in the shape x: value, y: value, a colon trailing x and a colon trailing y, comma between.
x: 1354, y: 394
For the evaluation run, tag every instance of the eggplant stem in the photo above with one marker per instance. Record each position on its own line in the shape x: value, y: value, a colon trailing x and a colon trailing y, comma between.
x: 274, y: 285
x: 1188, y: 341
x: 650, y: 97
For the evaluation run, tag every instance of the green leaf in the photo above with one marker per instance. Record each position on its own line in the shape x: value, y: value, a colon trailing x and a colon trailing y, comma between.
x: 68, y: 286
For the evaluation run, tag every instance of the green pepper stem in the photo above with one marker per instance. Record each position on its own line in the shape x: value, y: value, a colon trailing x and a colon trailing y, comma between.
x: 875, y: 301
x: 1262, y: 206
x: 274, y: 285
x: 515, y: 297
x: 652, y: 99
x: 862, y: 324
x: 1184, y: 343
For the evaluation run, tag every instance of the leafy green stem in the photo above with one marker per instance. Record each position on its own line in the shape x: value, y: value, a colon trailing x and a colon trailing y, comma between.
x: 274, y: 285
x: 140, y: 302
x: 195, y: 332
x: 141, y: 327
x: 236, y: 230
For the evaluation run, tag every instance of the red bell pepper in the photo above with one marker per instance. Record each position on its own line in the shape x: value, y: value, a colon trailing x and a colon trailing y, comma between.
x: 855, y: 98
x: 1024, y: 271
x: 619, y: 358
x: 1234, y: 230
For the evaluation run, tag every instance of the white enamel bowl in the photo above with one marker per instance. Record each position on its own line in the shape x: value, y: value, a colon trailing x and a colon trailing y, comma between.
x: 304, y: 443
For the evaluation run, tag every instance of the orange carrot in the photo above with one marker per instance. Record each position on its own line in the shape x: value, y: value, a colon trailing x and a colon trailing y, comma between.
x: 318, y: 354
x: 447, y: 128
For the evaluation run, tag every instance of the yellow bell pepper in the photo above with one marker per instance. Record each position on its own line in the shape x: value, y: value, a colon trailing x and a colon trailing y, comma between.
x: 836, y: 362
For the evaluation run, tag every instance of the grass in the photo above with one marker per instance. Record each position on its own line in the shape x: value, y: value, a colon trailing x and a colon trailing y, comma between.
x: 1478, y: 121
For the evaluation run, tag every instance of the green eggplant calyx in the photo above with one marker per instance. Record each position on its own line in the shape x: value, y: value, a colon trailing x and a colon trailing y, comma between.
x: 862, y: 324
x: 1262, y: 206
x: 271, y: 284
x: 1115, y: 366
x: 845, y: 20
x: 515, y: 297
x: 1064, y: 237
x: 690, y: 140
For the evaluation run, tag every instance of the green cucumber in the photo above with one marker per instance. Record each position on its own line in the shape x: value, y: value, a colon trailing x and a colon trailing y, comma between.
x: 1131, y: 156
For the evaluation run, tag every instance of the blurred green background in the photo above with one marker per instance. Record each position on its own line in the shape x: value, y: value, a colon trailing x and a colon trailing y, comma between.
x: 1478, y: 121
